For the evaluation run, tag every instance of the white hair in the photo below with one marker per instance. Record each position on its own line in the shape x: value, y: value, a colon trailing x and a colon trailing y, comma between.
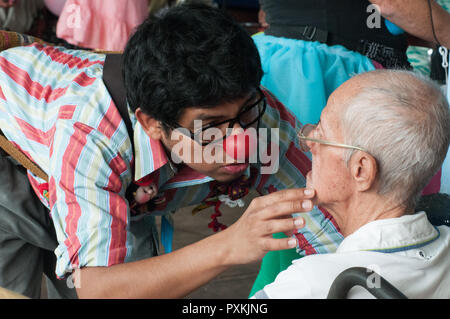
x: 403, y: 120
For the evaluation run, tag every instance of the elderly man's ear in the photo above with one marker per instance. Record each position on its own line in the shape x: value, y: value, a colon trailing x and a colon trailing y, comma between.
x: 151, y: 126
x: 363, y: 169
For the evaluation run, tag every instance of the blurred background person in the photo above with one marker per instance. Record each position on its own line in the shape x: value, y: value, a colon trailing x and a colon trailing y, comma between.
x: 99, y: 24
x: 19, y: 15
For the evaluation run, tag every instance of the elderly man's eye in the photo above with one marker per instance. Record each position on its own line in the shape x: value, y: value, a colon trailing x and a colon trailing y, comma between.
x: 317, y: 134
x: 313, y: 133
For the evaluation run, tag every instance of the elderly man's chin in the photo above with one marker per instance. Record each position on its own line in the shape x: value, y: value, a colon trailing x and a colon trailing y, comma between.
x: 310, y: 184
x: 309, y: 181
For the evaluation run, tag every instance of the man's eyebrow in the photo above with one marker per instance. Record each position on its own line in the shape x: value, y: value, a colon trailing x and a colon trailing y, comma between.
x: 206, y: 117
x: 209, y: 117
x: 252, y: 96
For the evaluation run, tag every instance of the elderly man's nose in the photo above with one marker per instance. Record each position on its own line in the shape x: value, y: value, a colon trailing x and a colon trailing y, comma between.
x: 309, y: 144
x: 306, y: 131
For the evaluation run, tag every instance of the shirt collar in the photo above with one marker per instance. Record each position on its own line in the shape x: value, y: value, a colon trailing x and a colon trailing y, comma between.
x: 391, y: 235
x: 149, y: 154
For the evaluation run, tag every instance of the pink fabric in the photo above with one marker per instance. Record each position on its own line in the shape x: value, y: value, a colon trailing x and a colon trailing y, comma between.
x: 377, y: 65
x: 434, y: 186
x: 55, y: 6
x: 100, y: 24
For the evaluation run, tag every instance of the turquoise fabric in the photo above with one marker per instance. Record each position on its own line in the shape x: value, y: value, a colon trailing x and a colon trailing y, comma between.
x: 302, y: 74
x: 393, y: 28
x: 445, y: 178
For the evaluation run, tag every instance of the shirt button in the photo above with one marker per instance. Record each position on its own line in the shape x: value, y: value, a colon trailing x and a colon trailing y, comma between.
x: 422, y: 254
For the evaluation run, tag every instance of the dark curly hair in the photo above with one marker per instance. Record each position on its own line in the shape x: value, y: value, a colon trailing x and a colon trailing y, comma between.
x: 192, y: 56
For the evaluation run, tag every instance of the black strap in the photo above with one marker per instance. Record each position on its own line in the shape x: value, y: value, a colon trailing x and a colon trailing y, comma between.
x: 389, y: 57
x: 112, y: 77
x: 307, y: 33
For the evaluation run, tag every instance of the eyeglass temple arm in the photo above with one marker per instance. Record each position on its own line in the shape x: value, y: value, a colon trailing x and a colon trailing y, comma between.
x: 331, y: 143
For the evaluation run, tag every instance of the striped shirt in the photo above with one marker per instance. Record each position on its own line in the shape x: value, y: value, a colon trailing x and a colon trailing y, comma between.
x: 55, y: 107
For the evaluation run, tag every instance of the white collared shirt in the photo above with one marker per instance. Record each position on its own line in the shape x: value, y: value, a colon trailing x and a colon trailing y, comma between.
x: 409, y: 252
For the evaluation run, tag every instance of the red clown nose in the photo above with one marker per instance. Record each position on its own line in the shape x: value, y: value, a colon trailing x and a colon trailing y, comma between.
x: 240, y: 146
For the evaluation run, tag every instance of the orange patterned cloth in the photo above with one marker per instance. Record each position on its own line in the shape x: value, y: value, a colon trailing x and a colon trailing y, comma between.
x: 10, y: 39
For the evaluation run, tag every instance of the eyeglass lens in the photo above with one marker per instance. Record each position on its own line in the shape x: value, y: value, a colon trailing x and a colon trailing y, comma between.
x: 245, y: 119
x: 305, y: 131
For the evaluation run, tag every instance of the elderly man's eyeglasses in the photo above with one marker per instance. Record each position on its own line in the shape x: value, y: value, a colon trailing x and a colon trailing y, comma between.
x: 308, y: 129
x: 248, y: 117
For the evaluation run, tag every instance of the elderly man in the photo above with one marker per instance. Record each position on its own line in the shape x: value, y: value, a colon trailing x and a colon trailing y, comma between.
x: 381, y: 138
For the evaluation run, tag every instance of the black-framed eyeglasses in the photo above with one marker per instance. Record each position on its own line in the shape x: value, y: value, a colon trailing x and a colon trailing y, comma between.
x: 246, y: 118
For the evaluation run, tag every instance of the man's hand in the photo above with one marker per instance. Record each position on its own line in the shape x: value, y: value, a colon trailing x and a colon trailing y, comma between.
x: 251, y: 236
x: 414, y: 17
x: 176, y: 274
